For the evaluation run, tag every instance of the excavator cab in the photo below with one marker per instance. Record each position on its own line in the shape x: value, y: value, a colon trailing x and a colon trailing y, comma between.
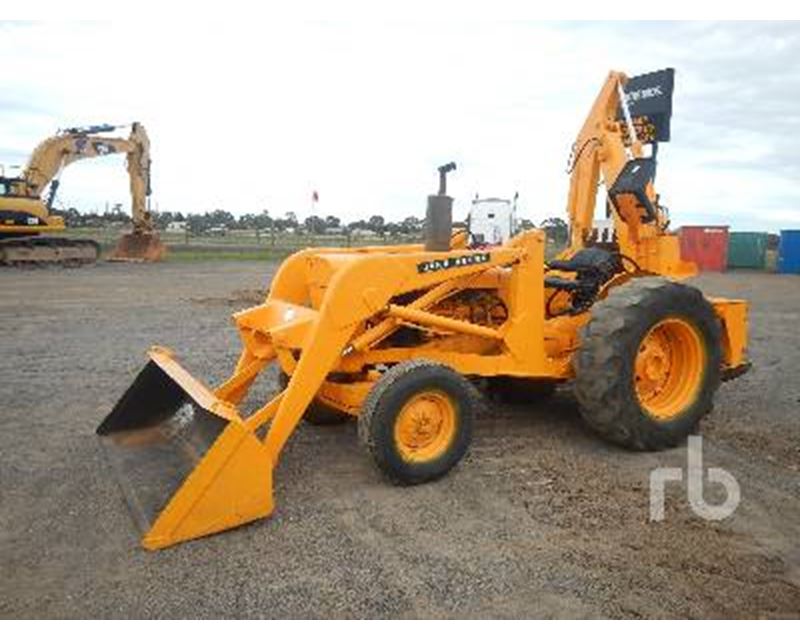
x: 11, y: 186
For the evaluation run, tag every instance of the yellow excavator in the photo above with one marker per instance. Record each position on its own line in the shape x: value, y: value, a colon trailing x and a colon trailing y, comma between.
x: 396, y: 337
x: 26, y: 210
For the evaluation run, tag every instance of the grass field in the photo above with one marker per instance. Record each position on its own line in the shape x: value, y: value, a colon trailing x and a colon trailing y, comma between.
x: 240, y: 245
x: 246, y: 245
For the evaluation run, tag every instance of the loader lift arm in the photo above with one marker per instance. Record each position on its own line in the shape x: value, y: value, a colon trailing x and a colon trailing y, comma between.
x: 310, y: 330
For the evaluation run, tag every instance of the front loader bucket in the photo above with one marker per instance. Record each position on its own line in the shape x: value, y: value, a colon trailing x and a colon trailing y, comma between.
x: 138, y: 247
x: 185, y: 462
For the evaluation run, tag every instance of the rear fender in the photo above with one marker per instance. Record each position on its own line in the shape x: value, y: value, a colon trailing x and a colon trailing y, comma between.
x: 733, y: 318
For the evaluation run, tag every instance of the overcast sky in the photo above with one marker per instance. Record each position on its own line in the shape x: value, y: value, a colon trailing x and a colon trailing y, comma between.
x: 252, y: 116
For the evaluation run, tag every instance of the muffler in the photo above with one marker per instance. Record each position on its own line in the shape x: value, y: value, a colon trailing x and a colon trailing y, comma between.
x: 439, y: 214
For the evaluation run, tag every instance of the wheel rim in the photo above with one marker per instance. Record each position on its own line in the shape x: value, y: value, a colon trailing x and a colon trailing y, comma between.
x: 425, y: 426
x: 669, y: 368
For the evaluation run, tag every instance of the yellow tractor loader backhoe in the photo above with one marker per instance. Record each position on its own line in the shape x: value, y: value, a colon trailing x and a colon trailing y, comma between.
x: 395, y: 336
x: 25, y: 215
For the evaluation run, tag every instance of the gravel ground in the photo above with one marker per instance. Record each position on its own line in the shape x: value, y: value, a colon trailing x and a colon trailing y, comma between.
x: 540, y: 520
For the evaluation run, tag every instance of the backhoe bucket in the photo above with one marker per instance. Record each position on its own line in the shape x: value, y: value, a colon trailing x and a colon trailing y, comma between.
x: 186, y: 464
x: 139, y: 247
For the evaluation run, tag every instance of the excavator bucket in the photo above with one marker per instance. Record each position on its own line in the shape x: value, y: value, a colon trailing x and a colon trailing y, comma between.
x: 186, y: 464
x: 139, y: 247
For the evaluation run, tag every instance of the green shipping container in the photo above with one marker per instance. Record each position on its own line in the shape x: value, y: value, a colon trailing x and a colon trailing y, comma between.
x: 747, y: 250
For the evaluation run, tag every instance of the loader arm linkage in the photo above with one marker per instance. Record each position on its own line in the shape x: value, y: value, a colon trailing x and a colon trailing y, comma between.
x: 325, y: 308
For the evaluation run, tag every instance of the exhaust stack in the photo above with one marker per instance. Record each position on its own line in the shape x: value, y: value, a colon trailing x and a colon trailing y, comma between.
x: 439, y: 215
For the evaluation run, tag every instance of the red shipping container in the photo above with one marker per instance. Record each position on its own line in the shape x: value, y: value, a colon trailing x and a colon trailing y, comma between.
x: 707, y: 246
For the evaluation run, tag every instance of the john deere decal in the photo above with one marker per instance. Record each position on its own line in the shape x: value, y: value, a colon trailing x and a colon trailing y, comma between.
x: 451, y: 263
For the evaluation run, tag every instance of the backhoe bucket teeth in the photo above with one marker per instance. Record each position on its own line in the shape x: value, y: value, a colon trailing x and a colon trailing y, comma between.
x: 138, y: 247
x: 184, y: 461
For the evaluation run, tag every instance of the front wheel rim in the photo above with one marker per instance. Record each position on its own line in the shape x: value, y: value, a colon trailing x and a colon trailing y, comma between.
x: 425, y: 427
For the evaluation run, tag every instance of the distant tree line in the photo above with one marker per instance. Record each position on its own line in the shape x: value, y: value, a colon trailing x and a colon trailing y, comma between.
x: 199, y: 223
x: 289, y: 222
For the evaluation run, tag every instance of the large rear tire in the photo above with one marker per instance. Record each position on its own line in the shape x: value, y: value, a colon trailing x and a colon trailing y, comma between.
x: 649, y: 364
x: 417, y: 421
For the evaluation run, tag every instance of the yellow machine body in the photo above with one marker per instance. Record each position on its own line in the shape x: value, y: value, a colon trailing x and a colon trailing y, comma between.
x: 31, y: 216
x: 335, y: 320
x: 328, y: 322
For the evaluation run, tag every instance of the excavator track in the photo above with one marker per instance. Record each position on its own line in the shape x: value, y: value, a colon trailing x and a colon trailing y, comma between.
x: 36, y: 251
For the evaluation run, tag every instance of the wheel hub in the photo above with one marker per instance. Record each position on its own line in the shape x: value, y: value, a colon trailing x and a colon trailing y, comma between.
x: 669, y: 368
x: 653, y: 364
x: 425, y: 426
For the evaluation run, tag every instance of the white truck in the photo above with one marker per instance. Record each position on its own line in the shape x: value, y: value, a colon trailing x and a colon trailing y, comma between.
x: 492, y: 220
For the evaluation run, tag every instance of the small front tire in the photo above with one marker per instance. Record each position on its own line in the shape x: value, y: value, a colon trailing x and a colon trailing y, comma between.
x: 417, y: 421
